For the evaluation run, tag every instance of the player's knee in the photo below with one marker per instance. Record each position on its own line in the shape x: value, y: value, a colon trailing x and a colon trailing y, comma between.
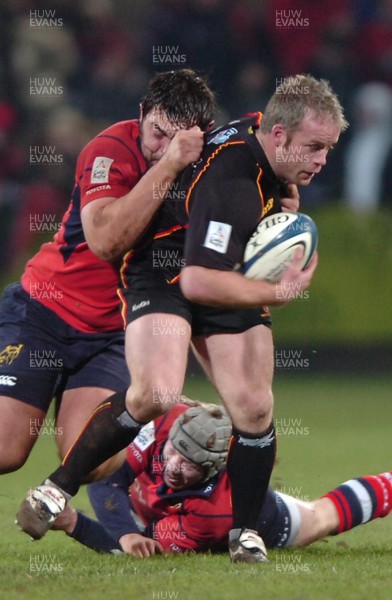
x: 257, y: 407
x: 12, y: 457
x: 252, y: 412
x: 152, y: 399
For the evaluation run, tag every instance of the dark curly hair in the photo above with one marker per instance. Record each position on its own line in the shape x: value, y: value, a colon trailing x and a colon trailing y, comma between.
x: 183, y: 96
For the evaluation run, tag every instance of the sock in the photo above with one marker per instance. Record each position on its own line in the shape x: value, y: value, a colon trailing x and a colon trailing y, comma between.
x: 361, y: 500
x: 249, y: 466
x: 92, y: 534
x: 109, y: 429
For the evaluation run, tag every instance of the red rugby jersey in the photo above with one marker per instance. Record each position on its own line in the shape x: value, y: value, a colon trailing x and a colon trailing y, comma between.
x: 65, y: 275
x: 198, y: 518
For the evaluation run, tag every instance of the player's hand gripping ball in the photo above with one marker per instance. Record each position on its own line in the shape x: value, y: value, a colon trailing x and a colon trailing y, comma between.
x: 271, y: 248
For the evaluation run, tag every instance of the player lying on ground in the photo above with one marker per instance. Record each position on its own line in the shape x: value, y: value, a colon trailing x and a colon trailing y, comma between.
x: 239, y: 179
x: 175, y: 484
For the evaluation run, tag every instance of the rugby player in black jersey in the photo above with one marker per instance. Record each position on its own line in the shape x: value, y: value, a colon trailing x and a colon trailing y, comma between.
x: 219, y: 201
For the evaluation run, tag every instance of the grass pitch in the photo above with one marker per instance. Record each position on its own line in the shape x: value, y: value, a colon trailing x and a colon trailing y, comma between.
x: 330, y: 430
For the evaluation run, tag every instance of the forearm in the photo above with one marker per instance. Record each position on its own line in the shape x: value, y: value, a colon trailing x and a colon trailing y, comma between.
x: 113, y: 225
x: 229, y: 289
x: 226, y: 289
x: 116, y: 225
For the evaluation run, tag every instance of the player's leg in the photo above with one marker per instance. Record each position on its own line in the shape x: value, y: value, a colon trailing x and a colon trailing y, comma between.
x: 20, y: 424
x: 27, y: 385
x: 76, y: 407
x: 353, y: 503
x: 92, y: 383
x: 286, y: 521
x: 241, y: 367
x: 158, y: 366
x: 157, y: 363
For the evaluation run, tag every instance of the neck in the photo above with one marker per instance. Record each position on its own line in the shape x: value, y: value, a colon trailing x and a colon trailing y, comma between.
x: 268, y: 145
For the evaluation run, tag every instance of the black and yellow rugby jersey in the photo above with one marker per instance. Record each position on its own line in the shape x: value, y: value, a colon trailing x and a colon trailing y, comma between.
x: 211, y: 210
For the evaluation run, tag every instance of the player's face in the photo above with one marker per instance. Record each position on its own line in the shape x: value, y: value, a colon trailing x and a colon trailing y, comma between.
x: 304, y: 153
x: 179, y: 473
x: 156, y: 132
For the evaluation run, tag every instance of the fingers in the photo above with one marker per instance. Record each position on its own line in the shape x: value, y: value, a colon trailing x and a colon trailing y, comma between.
x: 290, y: 202
x: 184, y: 148
x: 292, y: 191
x: 139, y: 546
x: 311, y: 267
x: 148, y: 548
x: 298, y: 255
x: 295, y: 279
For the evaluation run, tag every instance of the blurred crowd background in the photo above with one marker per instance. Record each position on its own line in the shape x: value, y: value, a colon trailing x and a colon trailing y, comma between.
x: 68, y: 69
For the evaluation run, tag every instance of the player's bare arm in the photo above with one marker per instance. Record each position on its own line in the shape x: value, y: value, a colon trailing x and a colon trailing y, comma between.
x: 113, y: 225
x: 230, y: 289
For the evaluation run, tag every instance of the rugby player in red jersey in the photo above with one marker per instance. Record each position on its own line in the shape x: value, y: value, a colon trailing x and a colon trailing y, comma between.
x: 172, y: 494
x: 61, y: 331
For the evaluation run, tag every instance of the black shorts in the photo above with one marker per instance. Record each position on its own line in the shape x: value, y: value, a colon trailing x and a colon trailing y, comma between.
x: 152, y: 296
x: 41, y: 355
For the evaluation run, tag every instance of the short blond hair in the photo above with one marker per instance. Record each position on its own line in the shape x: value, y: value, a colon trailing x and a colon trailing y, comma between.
x: 298, y: 96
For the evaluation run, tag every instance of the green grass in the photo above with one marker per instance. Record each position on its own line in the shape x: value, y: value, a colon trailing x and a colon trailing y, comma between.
x: 331, y: 430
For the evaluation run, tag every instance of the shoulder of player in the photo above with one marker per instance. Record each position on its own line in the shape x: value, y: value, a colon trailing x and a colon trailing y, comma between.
x: 117, y: 139
x: 124, y: 130
x: 232, y: 156
x: 213, y: 500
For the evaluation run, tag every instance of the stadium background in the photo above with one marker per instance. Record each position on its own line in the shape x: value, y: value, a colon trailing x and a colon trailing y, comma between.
x: 69, y: 69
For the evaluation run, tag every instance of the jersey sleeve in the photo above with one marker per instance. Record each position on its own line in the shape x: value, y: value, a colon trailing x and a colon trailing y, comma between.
x: 107, y: 168
x: 192, y: 531
x: 224, y: 204
x: 110, y: 501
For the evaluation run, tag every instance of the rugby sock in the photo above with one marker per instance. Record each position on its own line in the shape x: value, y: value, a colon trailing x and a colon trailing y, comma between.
x: 249, y: 466
x: 109, y: 429
x: 361, y: 500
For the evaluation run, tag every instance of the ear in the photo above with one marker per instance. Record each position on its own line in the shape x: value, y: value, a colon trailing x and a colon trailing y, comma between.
x: 210, y: 126
x: 279, y: 135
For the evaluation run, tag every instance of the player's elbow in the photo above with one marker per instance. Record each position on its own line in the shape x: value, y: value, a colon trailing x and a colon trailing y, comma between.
x: 104, y: 238
x: 104, y: 250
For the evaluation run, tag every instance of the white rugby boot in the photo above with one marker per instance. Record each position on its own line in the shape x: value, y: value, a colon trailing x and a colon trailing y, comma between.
x: 245, y: 545
x: 39, y: 509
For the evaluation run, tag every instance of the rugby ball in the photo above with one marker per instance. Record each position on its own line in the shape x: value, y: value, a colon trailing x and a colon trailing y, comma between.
x: 270, y: 250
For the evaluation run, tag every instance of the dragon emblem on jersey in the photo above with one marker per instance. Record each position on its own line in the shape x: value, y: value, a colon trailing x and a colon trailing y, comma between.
x: 10, y: 353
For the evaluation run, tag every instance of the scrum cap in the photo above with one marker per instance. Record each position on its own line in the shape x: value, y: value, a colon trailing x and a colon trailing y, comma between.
x: 202, y: 434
